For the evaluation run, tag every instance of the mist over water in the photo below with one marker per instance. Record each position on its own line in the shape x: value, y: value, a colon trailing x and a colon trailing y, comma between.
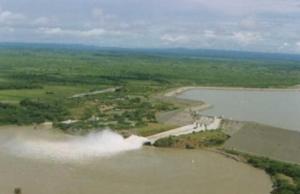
x: 70, y: 148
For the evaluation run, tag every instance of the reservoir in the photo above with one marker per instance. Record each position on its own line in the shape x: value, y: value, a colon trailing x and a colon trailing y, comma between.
x: 41, y: 161
x: 280, y: 108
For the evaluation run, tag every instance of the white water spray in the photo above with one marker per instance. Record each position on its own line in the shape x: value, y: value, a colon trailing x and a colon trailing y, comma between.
x: 87, y: 147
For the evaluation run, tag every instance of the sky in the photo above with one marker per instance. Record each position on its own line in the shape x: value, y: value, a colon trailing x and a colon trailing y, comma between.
x: 252, y: 25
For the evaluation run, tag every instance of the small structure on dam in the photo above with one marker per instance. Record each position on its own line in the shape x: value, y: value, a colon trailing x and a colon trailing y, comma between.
x: 202, y: 121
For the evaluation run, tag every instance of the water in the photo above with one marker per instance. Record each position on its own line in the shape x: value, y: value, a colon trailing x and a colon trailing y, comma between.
x: 279, y: 108
x: 63, y: 164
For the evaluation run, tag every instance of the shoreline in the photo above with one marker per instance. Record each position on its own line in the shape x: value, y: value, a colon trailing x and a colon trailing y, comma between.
x: 177, y: 91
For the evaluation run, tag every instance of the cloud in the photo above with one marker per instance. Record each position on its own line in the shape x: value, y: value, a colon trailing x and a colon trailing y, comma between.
x: 297, y: 46
x: 7, y: 29
x: 41, y: 21
x: 260, y: 25
x: 97, y: 12
x: 246, y: 37
x: 209, y: 34
x: 13, y: 19
x: 66, y: 32
x: 246, y: 7
x: 10, y: 18
x: 90, y: 33
x: 168, y: 38
x: 249, y: 23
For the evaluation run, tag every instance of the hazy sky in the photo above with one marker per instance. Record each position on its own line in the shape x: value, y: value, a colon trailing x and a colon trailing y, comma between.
x: 259, y: 25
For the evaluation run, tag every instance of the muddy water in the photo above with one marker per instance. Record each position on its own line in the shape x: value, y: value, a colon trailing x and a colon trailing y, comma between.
x: 139, y: 171
x: 280, y: 108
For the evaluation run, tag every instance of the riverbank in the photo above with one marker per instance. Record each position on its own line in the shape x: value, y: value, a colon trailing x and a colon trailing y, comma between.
x: 182, y: 115
x: 177, y: 91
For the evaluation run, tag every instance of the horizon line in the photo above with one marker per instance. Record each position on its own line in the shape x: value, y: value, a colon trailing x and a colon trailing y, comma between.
x: 146, y: 48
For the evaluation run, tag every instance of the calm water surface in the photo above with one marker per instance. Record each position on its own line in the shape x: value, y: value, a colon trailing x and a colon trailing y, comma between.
x: 278, y: 108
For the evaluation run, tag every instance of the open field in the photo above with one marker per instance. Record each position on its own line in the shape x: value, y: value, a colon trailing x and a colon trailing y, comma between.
x: 47, y: 92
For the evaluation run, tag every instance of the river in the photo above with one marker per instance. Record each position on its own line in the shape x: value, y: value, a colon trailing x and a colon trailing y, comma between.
x: 280, y: 108
x: 47, y: 162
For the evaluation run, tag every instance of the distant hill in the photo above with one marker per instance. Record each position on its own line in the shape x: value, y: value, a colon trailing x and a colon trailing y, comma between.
x: 171, y: 52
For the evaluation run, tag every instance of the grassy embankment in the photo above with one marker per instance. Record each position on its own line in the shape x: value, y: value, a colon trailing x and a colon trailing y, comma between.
x: 35, y: 85
x: 202, y: 139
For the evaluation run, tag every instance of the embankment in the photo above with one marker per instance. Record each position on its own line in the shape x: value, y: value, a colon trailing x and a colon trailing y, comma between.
x: 263, y: 140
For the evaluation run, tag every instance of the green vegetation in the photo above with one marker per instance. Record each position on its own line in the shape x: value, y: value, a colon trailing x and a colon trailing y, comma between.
x: 201, y: 139
x: 285, y: 176
x: 48, y: 77
x: 28, y: 112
